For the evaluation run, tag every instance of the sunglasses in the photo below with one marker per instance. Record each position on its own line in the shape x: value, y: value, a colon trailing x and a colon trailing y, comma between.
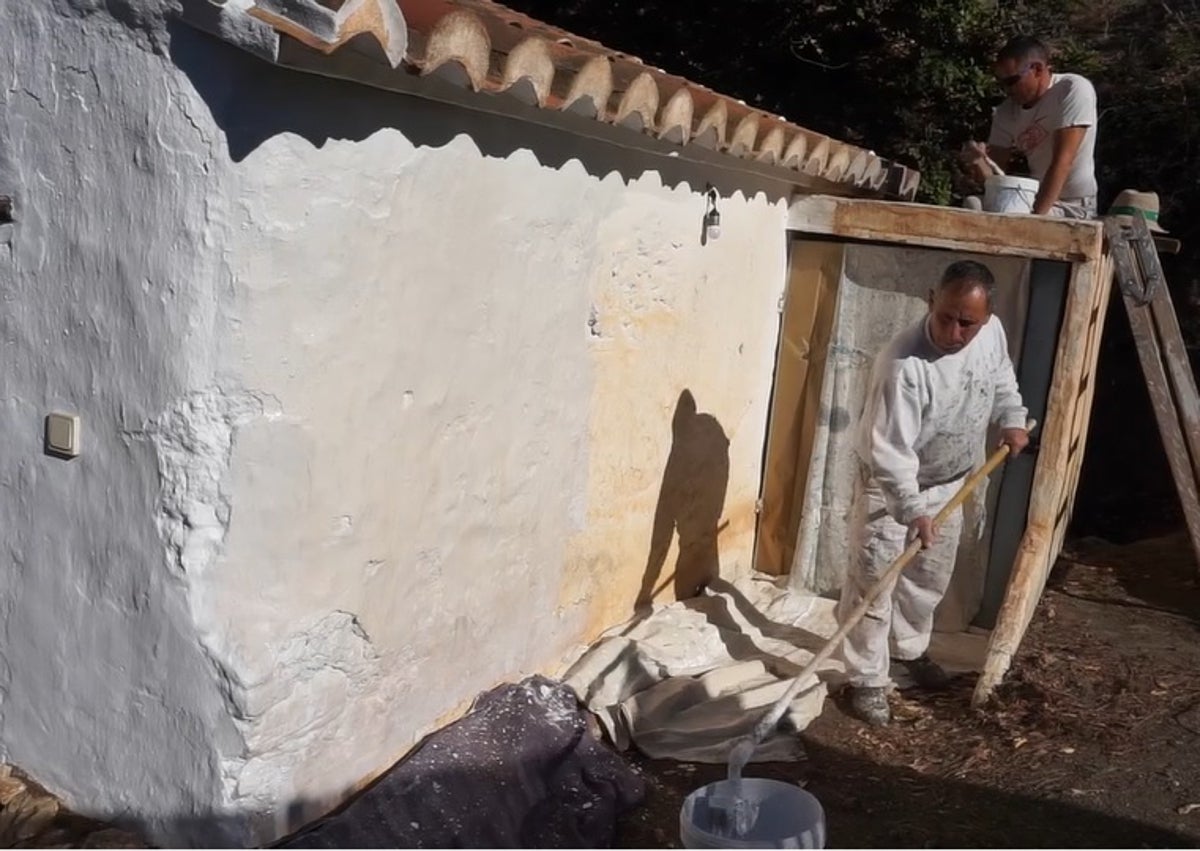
x: 1012, y: 79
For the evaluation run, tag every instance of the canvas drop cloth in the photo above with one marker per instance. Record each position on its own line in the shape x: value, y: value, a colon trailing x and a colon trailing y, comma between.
x: 691, y: 678
x: 687, y: 681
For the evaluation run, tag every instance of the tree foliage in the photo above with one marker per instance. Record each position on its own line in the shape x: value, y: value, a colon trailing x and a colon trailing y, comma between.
x: 911, y: 79
x: 906, y: 78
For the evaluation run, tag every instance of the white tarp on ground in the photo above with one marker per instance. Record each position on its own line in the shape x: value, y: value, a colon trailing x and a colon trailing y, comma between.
x: 688, y: 680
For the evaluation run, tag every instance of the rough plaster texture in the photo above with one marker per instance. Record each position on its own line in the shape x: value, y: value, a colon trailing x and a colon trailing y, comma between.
x: 110, y: 300
x: 477, y: 362
x: 383, y: 402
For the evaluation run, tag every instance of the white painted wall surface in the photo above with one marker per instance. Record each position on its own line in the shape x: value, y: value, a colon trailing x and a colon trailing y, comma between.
x: 472, y: 365
x: 110, y: 299
x: 377, y: 398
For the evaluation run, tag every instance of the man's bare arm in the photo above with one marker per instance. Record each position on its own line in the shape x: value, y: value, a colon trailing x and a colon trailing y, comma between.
x: 973, y: 158
x: 1066, y: 145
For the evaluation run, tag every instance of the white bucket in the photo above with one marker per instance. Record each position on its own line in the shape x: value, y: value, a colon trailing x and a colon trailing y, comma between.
x: 1008, y: 193
x: 782, y: 815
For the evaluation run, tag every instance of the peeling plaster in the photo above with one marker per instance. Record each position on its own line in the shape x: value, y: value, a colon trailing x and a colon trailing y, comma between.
x: 194, y: 440
x: 321, y: 672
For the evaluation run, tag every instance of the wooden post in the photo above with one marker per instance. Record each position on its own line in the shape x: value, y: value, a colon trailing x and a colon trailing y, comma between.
x: 1164, y: 362
x: 1047, y: 501
x: 1150, y: 354
x: 1099, y: 313
x: 1179, y: 370
x: 1024, y: 588
x: 814, y: 271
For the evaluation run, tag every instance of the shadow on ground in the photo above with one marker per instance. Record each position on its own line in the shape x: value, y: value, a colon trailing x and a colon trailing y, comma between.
x: 895, y: 806
x: 873, y: 805
x: 1156, y: 573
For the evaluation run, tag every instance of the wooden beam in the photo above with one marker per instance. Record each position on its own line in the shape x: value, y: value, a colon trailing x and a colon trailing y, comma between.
x: 1095, y: 334
x: 1179, y: 370
x: 1035, y: 554
x: 1164, y: 360
x: 1150, y: 354
x: 948, y: 227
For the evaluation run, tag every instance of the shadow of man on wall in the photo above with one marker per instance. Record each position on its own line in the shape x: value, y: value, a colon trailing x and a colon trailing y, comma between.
x: 690, y: 502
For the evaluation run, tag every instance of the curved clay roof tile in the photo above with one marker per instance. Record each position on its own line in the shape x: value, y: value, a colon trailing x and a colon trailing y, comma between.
x: 741, y: 143
x: 793, y: 155
x: 530, y: 60
x: 712, y: 128
x: 817, y: 157
x: 859, y: 161
x: 838, y: 163
x: 639, y: 103
x: 770, y: 149
x: 876, y: 175
x: 459, y: 37
x: 325, y: 30
x: 591, y: 88
x: 675, y: 123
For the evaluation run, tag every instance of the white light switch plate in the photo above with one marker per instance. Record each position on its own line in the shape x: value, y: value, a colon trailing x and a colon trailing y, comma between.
x: 62, y: 434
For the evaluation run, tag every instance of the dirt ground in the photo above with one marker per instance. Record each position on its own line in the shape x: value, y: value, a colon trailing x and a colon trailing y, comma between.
x: 1092, y: 741
x: 30, y: 817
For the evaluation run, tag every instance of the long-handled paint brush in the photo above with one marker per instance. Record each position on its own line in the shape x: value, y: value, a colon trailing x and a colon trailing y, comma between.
x: 731, y: 813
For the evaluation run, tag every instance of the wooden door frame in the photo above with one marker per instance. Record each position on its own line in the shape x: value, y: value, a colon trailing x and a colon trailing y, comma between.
x: 1062, y: 437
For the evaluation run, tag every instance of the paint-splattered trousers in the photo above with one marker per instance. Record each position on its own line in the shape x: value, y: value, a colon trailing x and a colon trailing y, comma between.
x: 899, y: 623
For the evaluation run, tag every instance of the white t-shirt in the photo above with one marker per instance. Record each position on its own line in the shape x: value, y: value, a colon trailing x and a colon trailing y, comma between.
x: 1069, y: 102
x: 926, y: 418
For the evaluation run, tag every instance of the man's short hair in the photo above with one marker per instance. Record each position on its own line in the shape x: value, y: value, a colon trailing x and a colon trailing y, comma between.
x: 964, y: 276
x: 1024, y: 48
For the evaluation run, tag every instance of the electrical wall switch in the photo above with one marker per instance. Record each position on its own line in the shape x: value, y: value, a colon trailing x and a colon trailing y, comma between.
x: 62, y: 435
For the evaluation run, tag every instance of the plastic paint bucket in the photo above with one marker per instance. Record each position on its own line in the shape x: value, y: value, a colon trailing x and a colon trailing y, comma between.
x: 785, y: 816
x: 1008, y: 193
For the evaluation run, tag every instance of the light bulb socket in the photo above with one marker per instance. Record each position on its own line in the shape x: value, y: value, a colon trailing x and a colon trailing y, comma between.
x: 712, y: 218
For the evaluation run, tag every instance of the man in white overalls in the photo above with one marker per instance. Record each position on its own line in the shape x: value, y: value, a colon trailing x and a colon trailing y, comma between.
x: 934, y: 390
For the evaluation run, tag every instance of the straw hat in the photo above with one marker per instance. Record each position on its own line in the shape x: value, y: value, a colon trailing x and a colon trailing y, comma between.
x: 1130, y: 201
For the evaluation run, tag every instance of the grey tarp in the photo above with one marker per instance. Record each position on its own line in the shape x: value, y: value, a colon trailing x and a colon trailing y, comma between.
x: 519, y: 771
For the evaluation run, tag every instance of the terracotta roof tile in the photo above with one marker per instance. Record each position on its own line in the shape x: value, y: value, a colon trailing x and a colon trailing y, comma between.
x: 490, y: 48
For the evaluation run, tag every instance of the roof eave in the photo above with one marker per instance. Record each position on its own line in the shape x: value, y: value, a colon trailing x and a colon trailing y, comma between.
x: 454, y: 56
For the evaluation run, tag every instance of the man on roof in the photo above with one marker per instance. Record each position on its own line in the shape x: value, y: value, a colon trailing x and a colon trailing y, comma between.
x: 1049, y: 118
x: 933, y: 392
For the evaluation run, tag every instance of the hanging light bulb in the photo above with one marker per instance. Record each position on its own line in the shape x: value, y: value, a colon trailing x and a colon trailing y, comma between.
x: 712, y: 218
